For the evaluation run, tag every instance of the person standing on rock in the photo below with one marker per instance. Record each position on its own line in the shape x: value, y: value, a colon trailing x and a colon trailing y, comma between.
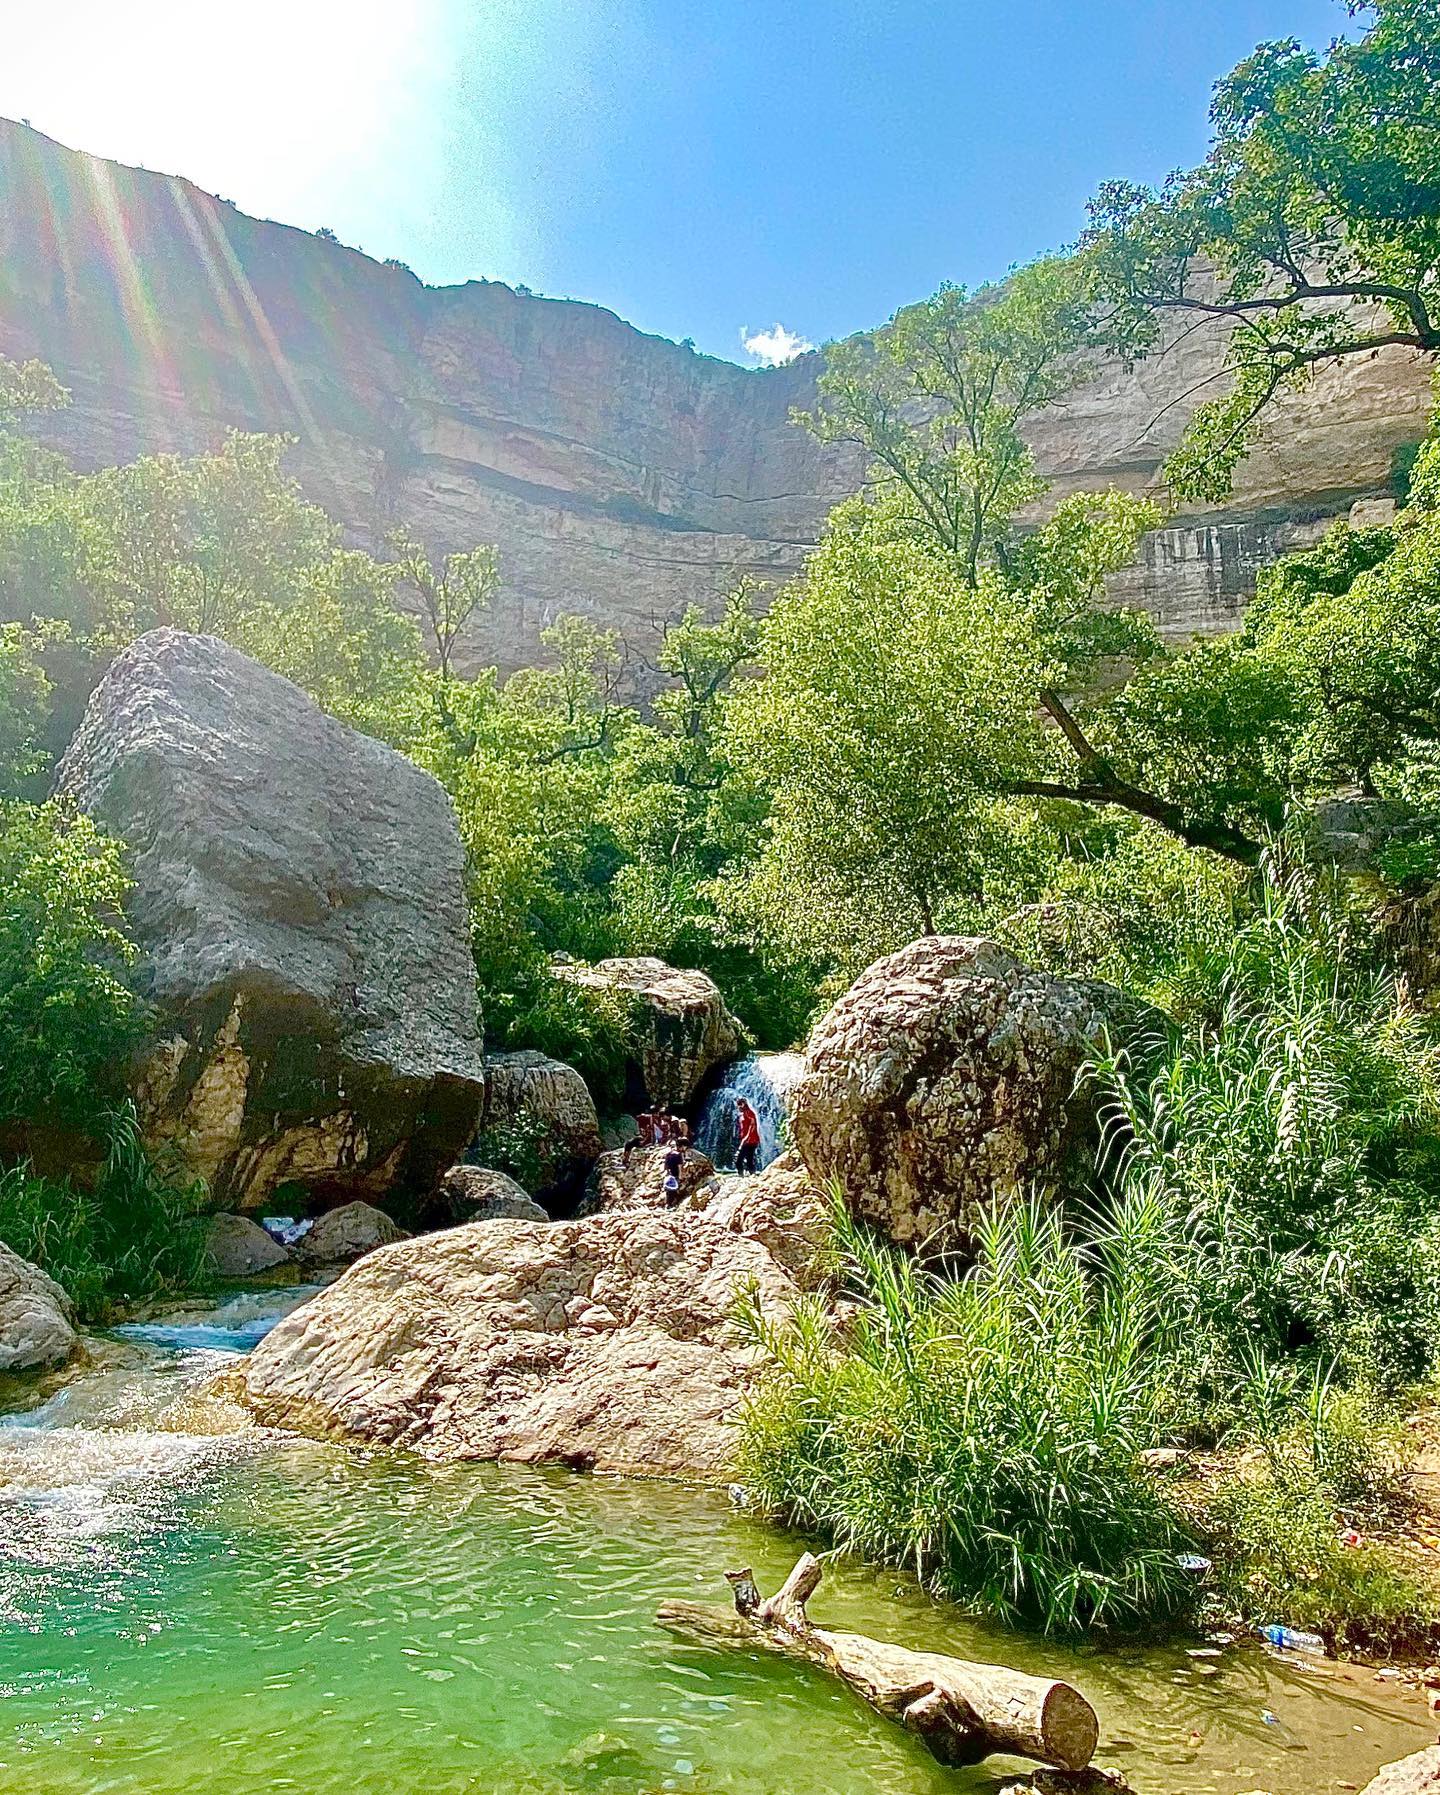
x: 747, y: 1128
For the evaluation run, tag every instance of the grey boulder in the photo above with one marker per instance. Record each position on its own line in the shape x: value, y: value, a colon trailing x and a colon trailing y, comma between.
x: 343, y: 1235
x: 679, y: 1029
x: 548, y: 1106
x: 480, y: 1194
x: 300, y: 913
x: 35, y: 1317
x: 236, y: 1247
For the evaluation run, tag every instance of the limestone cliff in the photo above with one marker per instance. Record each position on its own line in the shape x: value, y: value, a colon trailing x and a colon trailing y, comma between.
x: 618, y: 473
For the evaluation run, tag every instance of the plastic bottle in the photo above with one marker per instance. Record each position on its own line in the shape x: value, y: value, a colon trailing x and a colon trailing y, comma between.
x: 1291, y: 1639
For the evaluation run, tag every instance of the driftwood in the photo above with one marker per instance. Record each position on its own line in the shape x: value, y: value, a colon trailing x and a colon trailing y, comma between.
x: 962, y: 1711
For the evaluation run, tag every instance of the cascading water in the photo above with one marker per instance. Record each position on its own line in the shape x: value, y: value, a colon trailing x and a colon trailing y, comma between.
x: 765, y: 1080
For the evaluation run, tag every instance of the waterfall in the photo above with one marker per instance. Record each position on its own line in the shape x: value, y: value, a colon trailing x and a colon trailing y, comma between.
x: 766, y: 1081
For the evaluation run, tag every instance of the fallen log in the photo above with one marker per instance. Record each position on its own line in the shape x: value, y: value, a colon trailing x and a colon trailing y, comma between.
x: 962, y: 1711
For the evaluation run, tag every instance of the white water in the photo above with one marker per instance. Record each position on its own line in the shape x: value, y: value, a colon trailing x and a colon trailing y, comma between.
x: 766, y: 1080
x: 97, y: 1467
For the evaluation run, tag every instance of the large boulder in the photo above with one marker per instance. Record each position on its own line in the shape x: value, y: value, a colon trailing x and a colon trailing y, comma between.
x: 943, y: 1077
x: 679, y: 1028
x: 237, y: 1247
x: 606, y: 1343
x: 35, y: 1317
x: 479, y: 1194
x: 547, y: 1107
x: 343, y: 1235
x: 301, y: 919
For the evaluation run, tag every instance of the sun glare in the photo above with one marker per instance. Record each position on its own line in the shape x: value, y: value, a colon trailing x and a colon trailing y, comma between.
x: 286, y: 106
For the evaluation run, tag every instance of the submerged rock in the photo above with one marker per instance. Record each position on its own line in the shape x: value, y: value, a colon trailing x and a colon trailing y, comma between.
x: 346, y: 1234
x: 1419, y: 1774
x: 550, y: 1102
x: 35, y: 1317
x: 945, y: 1076
x: 606, y: 1343
x: 300, y: 913
x: 237, y: 1247
x: 680, y: 1029
x: 479, y: 1194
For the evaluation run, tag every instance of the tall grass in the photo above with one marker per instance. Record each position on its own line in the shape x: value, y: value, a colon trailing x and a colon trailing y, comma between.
x: 1291, y: 1133
x: 984, y: 1431
x: 136, y: 1233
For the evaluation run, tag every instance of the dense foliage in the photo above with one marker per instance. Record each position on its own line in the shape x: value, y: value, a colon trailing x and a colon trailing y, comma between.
x: 130, y: 1231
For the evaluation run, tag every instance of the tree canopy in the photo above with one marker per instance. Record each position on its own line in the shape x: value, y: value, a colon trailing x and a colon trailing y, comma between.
x: 1312, y: 229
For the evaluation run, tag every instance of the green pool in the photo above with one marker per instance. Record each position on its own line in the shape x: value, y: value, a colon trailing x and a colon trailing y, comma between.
x: 184, y: 1610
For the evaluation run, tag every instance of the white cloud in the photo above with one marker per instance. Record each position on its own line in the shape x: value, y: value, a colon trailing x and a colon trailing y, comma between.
x: 775, y: 346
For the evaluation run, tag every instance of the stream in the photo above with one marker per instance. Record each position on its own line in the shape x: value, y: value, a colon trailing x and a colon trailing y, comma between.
x: 185, y: 1608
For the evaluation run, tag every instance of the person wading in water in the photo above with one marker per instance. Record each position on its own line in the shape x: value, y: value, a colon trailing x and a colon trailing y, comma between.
x: 747, y: 1124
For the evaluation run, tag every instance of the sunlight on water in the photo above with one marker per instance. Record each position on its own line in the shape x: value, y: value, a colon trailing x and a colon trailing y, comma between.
x: 185, y: 1608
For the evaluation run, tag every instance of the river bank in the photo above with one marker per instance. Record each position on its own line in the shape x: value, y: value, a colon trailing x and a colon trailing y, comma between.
x: 186, y: 1605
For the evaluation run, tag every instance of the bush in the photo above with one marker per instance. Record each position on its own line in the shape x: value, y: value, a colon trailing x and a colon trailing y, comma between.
x: 1276, y: 1522
x: 983, y: 1431
x: 588, y: 1029
x: 67, y: 1017
x: 136, y: 1234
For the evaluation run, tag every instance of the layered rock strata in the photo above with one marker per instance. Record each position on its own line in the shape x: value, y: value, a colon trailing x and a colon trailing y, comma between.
x: 619, y: 474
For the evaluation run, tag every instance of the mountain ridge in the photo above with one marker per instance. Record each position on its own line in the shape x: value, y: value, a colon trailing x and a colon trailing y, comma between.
x: 619, y: 473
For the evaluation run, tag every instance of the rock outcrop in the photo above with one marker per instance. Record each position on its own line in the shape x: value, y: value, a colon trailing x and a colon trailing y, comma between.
x: 237, y: 1247
x: 343, y: 1235
x: 478, y: 1194
x: 605, y: 1343
x: 679, y: 1029
x: 943, y: 1077
x: 35, y: 1317
x: 782, y: 1209
x: 636, y: 1180
x: 300, y: 913
x: 619, y: 474
x: 550, y: 1103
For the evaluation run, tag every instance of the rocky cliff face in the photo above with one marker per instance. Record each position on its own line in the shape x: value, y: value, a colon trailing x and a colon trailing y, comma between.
x: 619, y: 474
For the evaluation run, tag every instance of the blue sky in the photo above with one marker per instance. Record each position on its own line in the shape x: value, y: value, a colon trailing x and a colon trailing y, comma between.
x: 702, y: 169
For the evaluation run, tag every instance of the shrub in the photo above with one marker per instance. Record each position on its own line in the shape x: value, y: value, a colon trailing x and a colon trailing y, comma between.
x: 137, y: 1233
x: 1291, y: 1134
x: 1277, y: 1522
x: 589, y: 1029
x: 67, y: 1017
x: 984, y: 1430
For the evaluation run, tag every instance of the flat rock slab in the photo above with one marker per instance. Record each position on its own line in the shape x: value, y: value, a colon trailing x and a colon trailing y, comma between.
x: 606, y: 1343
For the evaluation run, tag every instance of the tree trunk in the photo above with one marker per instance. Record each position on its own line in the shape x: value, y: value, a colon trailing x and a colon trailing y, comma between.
x: 962, y: 1711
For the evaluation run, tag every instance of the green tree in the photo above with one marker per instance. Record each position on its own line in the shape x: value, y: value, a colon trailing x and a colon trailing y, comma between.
x: 1312, y: 229
x: 937, y: 398
x: 449, y: 595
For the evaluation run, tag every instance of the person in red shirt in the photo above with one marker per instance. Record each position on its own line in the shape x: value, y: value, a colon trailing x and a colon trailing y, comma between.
x: 747, y: 1127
